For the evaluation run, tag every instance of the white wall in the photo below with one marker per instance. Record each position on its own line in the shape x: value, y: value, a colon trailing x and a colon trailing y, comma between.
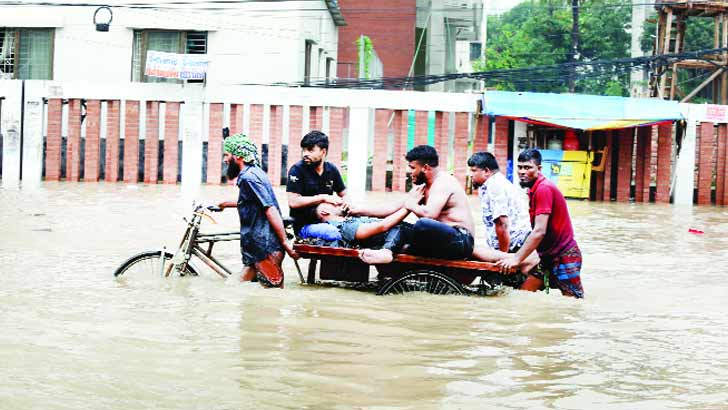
x: 254, y: 43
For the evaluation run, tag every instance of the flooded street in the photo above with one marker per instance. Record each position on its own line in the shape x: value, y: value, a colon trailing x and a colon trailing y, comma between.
x: 651, y: 333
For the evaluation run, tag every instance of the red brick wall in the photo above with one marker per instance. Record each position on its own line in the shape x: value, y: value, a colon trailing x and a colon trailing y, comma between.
x: 610, y: 135
x: 500, y: 144
x: 379, y: 165
x: 131, y: 142
x: 336, y: 135
x: 274, y: 144
x: 705, y: 160
x: 151, y: 143
x: 53, y: 140
x: 721, y: 182
x: 214, y: 145
x: 236, y: 118
x: 256, y: 125
x: 421, y: 127
x: 664, y: 163
x: 482, y: 132
x: 461, y: 147
x: 316, y: 119
x: 399, y: 165
x: 643, y: 164
x: 624, y: 164
x: 171, y: 140
x: 390, y: 24
x: 295, y: 134
x: 73, y: 147
x: 113, y: 126
x: 442, y: 136
x: 93, y: 133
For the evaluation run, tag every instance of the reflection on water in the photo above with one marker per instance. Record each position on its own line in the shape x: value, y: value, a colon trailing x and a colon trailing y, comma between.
x: 651, y: 333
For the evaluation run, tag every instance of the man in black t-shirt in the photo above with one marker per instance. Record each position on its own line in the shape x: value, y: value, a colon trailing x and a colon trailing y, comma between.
x: 313, y: 180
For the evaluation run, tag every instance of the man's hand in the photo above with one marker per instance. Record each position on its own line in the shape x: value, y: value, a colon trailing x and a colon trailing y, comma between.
x: 290, y: 251
x: 331, y: 199
x: 414, y: 197
x: 508, y: 263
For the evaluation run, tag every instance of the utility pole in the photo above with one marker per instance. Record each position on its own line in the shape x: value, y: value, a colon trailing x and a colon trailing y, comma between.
x: 574, y: 43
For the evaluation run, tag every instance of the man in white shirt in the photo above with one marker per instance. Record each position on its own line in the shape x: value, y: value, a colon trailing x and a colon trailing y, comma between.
x: 505, y: 210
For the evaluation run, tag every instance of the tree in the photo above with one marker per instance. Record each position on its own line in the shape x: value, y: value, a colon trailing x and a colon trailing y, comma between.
x: 538, y: 33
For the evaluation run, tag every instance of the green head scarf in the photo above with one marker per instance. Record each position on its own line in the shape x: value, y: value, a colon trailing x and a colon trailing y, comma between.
x: 241, y: 146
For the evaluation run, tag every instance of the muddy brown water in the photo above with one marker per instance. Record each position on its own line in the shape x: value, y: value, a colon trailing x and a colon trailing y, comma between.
x: 651, y: 334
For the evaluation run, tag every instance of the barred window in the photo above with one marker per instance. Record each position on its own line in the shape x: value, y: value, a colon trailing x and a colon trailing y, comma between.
x: 26, y: 54
x: 180, y: 42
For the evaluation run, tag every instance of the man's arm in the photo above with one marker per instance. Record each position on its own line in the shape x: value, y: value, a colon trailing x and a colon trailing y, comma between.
x: 534, y: 239
x: 274, y: 218
x: 296, y: 200
x: 368, y: 230
x: 502, y: 232
x: 228, y: 204
x: 436, y: 201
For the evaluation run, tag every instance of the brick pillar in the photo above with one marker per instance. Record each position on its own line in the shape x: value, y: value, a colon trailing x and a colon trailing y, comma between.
x: 295, y: 134
x: 256, y: 126
x: 171, y: 142
x: 721, y: 182
x: 336, y: 135
x: 399, y: 164
x: 131, y: 142
x: 316, y: 121
x: 705, y: 162
x: 274, y: 144
x: 421, y: 127
x: 664, y: 162
x: 609, y: 144
x: 113, y: 126
x: 598, y: 177
x: 93, y: 133
x: 236, y: 118
x: 53, y: 140
x: 482, y: 132
x: 151, y: 143
x: 379, y: 164
x: 214, y: 145
x: 73, y: 146
x: 500, y: 143
x: 644, y: 164
x: 624, y: 164
x: 461, y: 147
x: 442, y: 136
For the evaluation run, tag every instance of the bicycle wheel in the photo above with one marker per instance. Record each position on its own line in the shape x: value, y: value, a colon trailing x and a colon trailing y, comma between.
x: 149, y: 264
x: 422, y: 281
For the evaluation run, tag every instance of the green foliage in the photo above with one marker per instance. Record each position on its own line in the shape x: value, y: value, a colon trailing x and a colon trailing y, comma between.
x: 368, y: 53
x: 538, y: 33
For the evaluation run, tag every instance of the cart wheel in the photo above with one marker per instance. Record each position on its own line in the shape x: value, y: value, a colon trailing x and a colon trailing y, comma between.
x: 422, y: 281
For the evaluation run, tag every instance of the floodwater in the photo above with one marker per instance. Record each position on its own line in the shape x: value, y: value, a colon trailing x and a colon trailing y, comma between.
x: 651, y: 333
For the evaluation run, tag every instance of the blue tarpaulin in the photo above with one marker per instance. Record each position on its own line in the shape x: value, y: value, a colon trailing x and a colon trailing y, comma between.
x: 583, y: 112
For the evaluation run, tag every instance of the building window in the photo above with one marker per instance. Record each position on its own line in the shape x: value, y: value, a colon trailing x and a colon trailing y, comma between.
x: 307, y: 63
x: 26, y: 54
x: 180, y: 42
x: 329, y: 68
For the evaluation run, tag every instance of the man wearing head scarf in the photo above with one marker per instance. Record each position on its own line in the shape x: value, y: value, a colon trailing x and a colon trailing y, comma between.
x: 262, y: 235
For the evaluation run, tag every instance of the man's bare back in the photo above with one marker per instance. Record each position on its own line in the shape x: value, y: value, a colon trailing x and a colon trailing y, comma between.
x: 456, y: 211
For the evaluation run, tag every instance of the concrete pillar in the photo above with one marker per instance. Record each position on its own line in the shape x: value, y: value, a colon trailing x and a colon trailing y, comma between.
x: 274, y: 144
x: 461, y: 147
x: 10, y: 129
x: 643, y: 164
x: 721, y: 181
x: 706, y: 157
x: 192, y: 132
x: 664, y: 163
x: 113, y: 124
x: 336, y: 136
x: 151, y: 142
x: 214, y: 144
x: 442, y: 136
x: 236, y: 118
x: 520, y: 130
x: 685, y: 164
x: 436, y: 42
x: 171, y: 142
x: 421, y: 127
x: 624, y: 164
x: 32, y: 170
x: 379, y: 164
x: 92, y: 149
x: 399, y: 164
x: 500, y: 143
x: 73, y: 145
x: 256, y: 126
x: 359, y: 120
x: 295, y: 129
x: 53, y: 140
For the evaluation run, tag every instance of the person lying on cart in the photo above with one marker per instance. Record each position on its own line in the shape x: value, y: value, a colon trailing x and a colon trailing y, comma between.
x: 262, y: 235
x: 445, y: 225
x: 378, y: 238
